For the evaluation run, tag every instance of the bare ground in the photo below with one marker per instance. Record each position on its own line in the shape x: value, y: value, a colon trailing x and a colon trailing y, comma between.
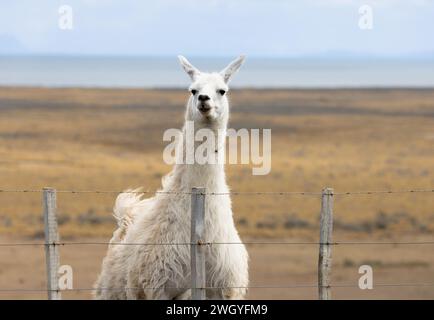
x: 292, y: 266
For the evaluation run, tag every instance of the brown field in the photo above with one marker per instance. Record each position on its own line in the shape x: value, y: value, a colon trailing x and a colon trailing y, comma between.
x: 351, y: 140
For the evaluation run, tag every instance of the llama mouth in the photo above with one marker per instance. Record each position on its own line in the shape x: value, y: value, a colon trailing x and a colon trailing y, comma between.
x: 204, y: 109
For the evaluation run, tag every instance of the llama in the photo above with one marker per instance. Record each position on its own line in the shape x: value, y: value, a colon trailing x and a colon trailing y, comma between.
x: 163, y: 271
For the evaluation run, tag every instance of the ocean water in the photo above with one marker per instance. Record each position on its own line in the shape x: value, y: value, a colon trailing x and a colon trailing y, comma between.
x: 165, y: 72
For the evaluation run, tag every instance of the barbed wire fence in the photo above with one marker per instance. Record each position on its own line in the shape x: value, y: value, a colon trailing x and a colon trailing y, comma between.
x: 198, y: 244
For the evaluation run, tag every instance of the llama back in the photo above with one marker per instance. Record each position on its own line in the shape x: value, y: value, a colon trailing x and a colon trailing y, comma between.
x: 125, y: 210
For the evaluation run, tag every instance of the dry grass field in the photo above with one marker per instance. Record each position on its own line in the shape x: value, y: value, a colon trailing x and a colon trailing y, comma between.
x: 91, y: 139
x: 278, y: 266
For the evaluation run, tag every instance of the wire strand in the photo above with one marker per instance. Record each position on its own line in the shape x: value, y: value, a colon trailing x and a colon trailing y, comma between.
x: 235, y: 193
x: 334, y: 243
x: 290, y: 286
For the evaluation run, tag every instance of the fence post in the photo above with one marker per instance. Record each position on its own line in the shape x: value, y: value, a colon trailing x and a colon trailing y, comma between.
x: 325, y: 247
x: 198, y: 281
x: 51, y: 240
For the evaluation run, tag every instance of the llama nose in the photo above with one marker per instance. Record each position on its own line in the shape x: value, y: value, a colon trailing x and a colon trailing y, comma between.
x: 203, y: 97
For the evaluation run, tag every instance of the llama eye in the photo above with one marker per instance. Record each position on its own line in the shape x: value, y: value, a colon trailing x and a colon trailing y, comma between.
x: 222, y: 92
x: 193, y: 92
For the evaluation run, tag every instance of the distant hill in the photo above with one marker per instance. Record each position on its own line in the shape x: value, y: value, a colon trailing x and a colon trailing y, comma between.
x: 11, y: 45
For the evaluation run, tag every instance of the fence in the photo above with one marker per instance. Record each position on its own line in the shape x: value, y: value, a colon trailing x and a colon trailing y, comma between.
x: 197, y: 244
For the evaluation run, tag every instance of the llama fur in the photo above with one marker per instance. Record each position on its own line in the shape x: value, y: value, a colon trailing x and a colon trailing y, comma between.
x: 163, y: 271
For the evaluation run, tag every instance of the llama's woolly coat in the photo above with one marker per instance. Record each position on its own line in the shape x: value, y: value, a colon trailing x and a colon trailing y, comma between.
x: 162, y: 271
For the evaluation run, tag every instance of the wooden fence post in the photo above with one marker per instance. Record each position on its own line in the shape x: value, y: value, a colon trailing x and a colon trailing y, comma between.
x: 198, y: 281
x: 325, y: 247
x: 51, y: 240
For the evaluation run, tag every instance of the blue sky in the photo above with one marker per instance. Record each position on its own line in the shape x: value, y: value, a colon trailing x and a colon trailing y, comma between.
x: 218, y: 27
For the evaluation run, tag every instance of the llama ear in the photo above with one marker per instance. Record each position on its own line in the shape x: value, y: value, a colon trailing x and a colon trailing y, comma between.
x: 191, y: 70
x: 232, y: 68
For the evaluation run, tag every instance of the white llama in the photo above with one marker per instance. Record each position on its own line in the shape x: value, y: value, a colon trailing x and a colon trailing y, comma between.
x: 163, y: 271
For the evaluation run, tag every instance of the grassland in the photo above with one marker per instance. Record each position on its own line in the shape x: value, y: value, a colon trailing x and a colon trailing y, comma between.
x: 112, y: 139
x: 91, y: 139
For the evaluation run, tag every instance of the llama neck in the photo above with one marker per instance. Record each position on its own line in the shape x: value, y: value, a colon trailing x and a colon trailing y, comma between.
x: 192, y: 173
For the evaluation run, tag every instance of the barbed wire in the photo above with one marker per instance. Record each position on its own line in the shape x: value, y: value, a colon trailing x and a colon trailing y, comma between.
x: 334, y: 243
x: 235, y: 193
x: 289, y: 286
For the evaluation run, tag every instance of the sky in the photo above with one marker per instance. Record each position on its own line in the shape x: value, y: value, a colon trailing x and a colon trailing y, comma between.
x: 273, y: 28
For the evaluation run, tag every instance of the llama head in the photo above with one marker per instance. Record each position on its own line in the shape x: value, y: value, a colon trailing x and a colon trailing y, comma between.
x: 208, y: 102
